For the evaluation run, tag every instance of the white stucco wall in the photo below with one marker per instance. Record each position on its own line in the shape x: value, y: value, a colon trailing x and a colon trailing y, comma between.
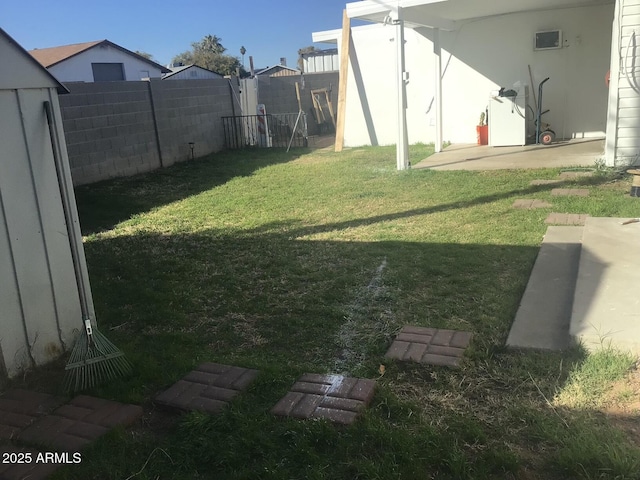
x: 482, y: 55
x: 78, y: 68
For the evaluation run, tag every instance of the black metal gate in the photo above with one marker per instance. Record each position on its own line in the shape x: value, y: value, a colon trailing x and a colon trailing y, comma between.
x: 278, y: 130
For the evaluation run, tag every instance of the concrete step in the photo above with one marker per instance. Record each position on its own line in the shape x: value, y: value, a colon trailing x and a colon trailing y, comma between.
x: 544, y: 315
x: 606, y: 307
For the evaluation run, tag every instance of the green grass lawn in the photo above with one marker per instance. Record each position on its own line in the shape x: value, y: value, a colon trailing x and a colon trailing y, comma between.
x: 311, y: 262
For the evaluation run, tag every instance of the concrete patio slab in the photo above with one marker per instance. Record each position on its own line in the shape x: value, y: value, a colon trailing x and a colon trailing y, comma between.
x: 208, y: 388
x: 429, y: 345
x: 556, y: 218
x: 335, y: 398
x: 565, y: 153
x: 543, y: 317
x: 606, y: 306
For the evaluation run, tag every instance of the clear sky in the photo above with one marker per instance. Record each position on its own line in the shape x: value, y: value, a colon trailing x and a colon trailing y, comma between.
x: 268, y: 29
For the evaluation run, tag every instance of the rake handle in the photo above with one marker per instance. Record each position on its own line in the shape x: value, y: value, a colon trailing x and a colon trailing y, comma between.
x: 66, y: 208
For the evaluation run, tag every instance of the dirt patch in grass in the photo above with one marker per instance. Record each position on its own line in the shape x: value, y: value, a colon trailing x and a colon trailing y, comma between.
x: 622, y: 405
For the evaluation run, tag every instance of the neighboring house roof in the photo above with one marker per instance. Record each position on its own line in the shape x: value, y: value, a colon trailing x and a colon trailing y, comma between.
x: 275, y: 68
x: 182, y: 68
x: 61, y: 88
x: 48, y: 57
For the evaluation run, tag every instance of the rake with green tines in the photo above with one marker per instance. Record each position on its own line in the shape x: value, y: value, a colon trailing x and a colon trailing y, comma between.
x: 94, y: 359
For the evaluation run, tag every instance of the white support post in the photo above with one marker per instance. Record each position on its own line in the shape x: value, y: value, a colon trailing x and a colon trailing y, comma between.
x: 438, y: 100
x: 611, y: 141
x: 402, y: 147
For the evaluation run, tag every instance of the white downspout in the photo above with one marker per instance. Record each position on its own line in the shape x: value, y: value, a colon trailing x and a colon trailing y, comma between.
x: 402, y: 146
x: 438, y: 68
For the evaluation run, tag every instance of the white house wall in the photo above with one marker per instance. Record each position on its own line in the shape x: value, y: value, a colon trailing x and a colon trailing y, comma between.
x: 78, y: 68
x: 481, y: 56
x: 623, y: 128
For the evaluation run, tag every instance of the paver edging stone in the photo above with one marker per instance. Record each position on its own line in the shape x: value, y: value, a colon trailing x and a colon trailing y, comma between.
x: 208, y: 388
x: 429, y: 345
x: 77, y: 423
x: 336, y: 398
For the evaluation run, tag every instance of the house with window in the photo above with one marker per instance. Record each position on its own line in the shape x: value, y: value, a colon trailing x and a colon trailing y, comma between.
x: 425, y: 70
x: 277, y: 71
x: 99, y: 61
x: 189, y: 72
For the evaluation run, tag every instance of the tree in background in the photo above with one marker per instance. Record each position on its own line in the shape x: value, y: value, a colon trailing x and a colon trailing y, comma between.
x: 209, y: 53
x: 301, y: 53
x: 242, y: 52
x: 146, y: 55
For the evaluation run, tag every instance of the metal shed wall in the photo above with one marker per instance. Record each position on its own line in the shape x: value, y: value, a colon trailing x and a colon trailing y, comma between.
x: 39, y: 294
x: 39, y: 300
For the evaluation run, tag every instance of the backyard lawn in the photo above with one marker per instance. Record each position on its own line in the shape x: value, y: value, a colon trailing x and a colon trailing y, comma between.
x: 310, y: 262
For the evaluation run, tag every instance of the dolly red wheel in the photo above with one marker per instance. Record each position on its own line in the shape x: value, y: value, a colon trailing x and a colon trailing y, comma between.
x: 547, y: 138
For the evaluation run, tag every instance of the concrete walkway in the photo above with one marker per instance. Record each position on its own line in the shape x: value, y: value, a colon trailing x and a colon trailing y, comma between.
x: 583, y: 289
x: 543, y: 318
x: 565, y: 153
x: 606, y: 308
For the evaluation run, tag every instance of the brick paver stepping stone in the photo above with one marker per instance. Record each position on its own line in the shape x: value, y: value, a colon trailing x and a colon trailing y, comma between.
x: 544, y: 182
x: 531, y: 203
x: 566, y: 218
x: 79, y: 422
x: 577, y: 192
x: 20, y: 408
x: 35, y: 469
x: 208, y: 388
x: 335, y: 398
x: 429, y: 345
x: 575, y: 174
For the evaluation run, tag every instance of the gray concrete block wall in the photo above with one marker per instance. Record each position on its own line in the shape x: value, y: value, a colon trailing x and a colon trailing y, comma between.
x: 190, y: 111
x: 109, y: 130
x: 110, y: 127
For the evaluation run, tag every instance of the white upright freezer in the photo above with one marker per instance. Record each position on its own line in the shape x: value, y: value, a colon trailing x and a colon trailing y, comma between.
x: 508, y: 119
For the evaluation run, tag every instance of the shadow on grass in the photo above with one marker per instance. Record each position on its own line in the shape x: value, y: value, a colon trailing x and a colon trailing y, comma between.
x: 270, y: 298
x: 103, y: 205
x: 280, y: 305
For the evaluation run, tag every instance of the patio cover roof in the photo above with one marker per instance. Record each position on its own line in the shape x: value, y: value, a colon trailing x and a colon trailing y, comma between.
x: 437, y: 15
x: 444, y: 14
